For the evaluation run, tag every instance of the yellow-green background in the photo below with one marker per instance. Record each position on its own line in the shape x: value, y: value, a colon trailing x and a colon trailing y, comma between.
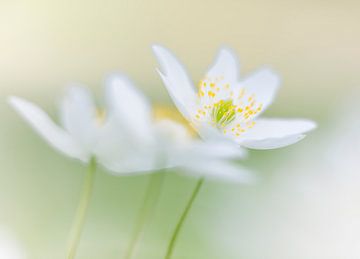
x: 44, y: 45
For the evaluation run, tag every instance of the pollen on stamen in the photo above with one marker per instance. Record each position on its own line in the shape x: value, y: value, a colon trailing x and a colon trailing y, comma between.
x: 211, y: 94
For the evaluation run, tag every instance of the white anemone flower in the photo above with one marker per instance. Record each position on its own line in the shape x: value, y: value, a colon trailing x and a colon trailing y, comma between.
x: 148, y: 144
x: 226, y: 107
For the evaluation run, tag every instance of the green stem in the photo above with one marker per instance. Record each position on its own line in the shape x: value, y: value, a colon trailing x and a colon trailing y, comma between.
x: 79, y: 219
x: 182, y: 219
x: 148, y: 206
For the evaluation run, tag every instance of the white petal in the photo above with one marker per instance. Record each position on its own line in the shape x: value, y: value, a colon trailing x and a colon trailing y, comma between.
x: 130, y: 106
x: 274, y: 133
x: 226, y: 65
x: 171, y: 134
x: 45, y: 127
x: 138, y: 162
x: 122, y: 154
x: 78, y: 116
x: 217, y: 149
x: 278, y: 128
x: 219, y: 170
x: 176, y: 80
x: 264, y: 84
x: 271, y: 143
x: 208, y: 132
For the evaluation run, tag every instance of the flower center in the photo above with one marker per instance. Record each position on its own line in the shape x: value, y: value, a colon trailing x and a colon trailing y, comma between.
x: 226, y: 108
x: 223, y: 112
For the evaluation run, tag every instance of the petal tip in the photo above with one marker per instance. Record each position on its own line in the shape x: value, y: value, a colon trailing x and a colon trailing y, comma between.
x: 159, y: 50
x: 228, y: 51
x: 16, y: 102
x: 157, y: 47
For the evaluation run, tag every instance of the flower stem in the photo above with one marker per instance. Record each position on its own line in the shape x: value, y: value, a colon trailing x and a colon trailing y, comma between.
x: 79, y: 219
x: 182, y: 219
x: 148, y: 206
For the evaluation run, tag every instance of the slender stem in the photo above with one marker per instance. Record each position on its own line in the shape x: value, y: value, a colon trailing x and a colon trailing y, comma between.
x: 79, y: 219
x: 182, y: 219
x: 148, y: 206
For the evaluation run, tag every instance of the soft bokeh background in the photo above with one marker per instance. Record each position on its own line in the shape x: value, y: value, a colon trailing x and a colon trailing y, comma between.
x: 302, y: 208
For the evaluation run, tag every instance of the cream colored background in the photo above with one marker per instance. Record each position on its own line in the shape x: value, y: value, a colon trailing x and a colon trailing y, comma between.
x: 44, y: 45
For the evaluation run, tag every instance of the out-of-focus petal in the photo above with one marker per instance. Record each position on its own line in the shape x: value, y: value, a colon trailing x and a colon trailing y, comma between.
x: 219, y: 170
x: 78, y: 115
x: 217, y: 149
x: 46, y: 128
x: 130, y: 106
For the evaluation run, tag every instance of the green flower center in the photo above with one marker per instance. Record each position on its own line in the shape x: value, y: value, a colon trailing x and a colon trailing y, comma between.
x: 223, y: 113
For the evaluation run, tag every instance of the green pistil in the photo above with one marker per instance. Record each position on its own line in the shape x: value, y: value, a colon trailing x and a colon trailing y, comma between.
x: 223, y: 112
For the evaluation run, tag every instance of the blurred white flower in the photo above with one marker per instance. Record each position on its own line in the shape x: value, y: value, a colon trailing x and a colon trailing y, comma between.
x: 225, y: 107
x: 146, y: 144
x: 126, y: 139
x: 81, y: 123
x: 9, y: 247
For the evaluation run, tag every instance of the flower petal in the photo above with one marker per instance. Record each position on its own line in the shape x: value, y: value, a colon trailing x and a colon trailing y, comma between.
x: 226, y: 65
x: 171, y: 135
x: 130, y: 107
x: 208, y: 132
x: 273, y: 133
x: 277, y: 128
x: 272, y: 143
x: 45, y: 127
x: 176, y: 80
x: 263, y: 84
x: 217, y: 149
x: 122, y: 153
x: 218, y: 170
x: 78, y: 115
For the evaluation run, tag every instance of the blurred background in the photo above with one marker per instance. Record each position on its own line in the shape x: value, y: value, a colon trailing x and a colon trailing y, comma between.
x: 307, y: 203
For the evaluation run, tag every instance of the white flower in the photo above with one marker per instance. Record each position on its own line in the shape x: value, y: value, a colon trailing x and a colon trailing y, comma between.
x: 226, y: 107
x: 125, y: 139
x: 167, y: 144
x: 9, y: 247
x: 80, y: 128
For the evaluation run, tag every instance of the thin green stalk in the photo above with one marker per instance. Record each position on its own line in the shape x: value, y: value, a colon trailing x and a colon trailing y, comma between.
x: 80, y: 215
x: 148, y: 206
x: 181, y: 221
